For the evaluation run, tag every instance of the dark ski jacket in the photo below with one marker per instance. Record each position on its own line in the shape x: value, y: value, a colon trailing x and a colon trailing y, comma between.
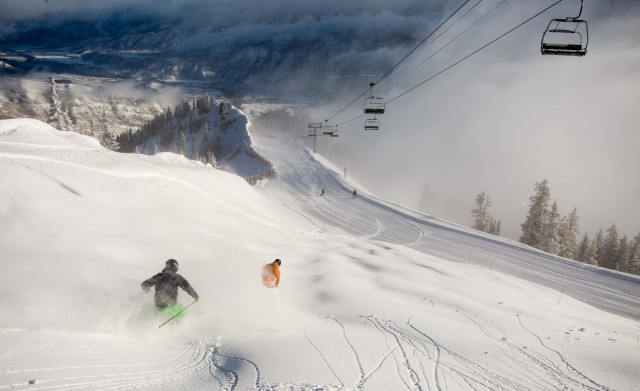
x: 167, y: 283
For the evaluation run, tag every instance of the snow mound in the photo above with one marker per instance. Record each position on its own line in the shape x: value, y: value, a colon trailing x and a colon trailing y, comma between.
x: 31, y: 131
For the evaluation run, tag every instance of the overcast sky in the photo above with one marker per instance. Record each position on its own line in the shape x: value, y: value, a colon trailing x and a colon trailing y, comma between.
x: 499, y: 122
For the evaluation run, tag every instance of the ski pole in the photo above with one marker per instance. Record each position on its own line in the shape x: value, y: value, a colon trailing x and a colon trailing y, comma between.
x: 183, y: 310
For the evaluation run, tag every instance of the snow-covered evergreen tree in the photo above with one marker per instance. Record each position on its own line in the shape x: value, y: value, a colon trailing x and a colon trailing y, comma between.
x: 211, y: 159
x: 494, y: 227
x: 591, y: 255
x: 582, y: 249
x: 58, y: 114
x: 568, y: 235
x: 225, y: 119
x: 55, y: 111
x: 552, y: 231
x: 482, y: 219
x: 108, y: 141
x: 183, y: 143
x: 534, y: 227
x: 610, y: 252
x: 634, y: 256
x: 480, y: 214
x: 69, y: 126
x: 623, y: 255
x: 594, y: 256
x: 104, y: 135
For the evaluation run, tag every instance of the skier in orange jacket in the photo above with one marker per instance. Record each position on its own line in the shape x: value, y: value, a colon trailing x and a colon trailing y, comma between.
x: 271, y: 274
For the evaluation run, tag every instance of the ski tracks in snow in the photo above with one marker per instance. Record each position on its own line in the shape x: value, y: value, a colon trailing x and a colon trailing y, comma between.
x: 201, y: 366
x: 177, y: 372
x: 229, y: 379
x: 411, y: 357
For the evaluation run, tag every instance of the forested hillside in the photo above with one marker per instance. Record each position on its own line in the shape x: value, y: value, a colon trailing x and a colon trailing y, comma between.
x: 203, y: 129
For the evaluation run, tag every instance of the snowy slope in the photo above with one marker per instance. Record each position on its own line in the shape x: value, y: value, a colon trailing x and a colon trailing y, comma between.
x: 373, y: 296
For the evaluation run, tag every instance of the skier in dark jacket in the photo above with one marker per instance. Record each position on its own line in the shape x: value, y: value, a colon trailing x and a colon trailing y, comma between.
x: 166, y: 284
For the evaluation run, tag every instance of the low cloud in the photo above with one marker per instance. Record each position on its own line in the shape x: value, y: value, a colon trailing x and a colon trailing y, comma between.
x: 507, y: 118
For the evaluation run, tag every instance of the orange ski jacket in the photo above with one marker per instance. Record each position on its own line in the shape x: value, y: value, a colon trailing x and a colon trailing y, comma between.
x: 276, y: 272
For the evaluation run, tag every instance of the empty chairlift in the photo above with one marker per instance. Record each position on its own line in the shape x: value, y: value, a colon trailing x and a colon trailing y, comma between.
x: 328, y: 130
x: 373, y: 104
x: 371, y: 124
x: 567, y: 37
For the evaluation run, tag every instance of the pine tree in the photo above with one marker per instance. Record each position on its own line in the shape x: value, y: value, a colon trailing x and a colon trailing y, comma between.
x: 634, y: 256
x: 534, y: 227
x: 623, y: 255
x: 482, y: 219
x: 582, y: 249
x: 58, y: 114
x: 569, y: 228
x: 552, y: 231
x: 591, y: 255
x: 480, y: 214
x: 105, y: 136
x: 597, y: 245
x: 68, y: 124
x: 108, y: 141
x: 183, y: 143
x: 211, y: 159
x: 55, y: 107
x: 609, y: 255
x: 224, y: 116
x: 494, y: 226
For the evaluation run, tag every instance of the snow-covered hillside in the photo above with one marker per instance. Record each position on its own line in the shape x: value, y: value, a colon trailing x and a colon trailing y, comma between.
x: 98, y: 105
x: 93, y: 102
x: 373, y: 297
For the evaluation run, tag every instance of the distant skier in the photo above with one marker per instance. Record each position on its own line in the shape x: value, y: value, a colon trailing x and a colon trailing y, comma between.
x: 322, y: 193
x: 271, y: 274
x: 166, y: 284
x: 355, y: 194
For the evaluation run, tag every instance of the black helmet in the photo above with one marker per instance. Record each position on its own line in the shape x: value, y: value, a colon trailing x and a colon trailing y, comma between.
x: 279, y: 262
x: 171, y: 262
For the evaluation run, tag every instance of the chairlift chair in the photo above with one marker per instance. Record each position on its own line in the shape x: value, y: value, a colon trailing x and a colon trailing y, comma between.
x: 328, y: 130
x: 373, y: 104
x: 567, y: 37
x: 371, y: 124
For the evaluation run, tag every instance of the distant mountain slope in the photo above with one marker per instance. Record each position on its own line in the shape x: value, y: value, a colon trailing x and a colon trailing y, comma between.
x: 310, y: 55
x: 93, y: 103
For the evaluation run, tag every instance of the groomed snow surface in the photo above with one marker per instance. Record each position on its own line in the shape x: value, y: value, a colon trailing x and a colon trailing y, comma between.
x: 373, y: 297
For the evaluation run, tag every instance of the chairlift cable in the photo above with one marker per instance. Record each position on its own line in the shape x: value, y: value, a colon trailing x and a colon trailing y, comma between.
x: 464, y: 58
x: 424, y: 40
x: 462, y: 33
x: 453, y: 24
x: 478, y: 50
x: 404, y: 58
